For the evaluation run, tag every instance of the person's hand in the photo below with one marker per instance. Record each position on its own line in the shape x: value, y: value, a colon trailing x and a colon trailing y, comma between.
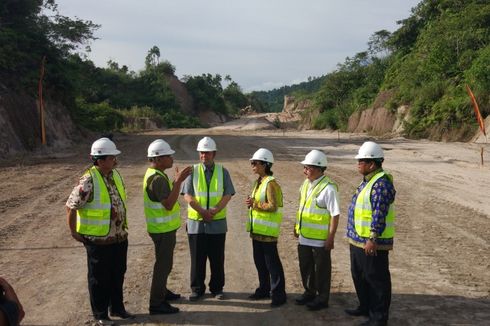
x: 77, y: 236
x: 370, y: 248
x: 10, y: 295
x: 206, y: 215
x: 329, y: 243
x: 180, y: 176
x: 249, y: 202
x: 296, y: 235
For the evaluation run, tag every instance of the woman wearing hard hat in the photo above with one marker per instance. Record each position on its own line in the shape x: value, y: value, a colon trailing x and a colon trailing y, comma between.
x: 264, y: 221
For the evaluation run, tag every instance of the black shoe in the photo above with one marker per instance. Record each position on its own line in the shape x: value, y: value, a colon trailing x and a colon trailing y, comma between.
x: 370, y: 322
x: 277, y: 303
x: 163, y: 309
x: 195, y: 296
x: 316, y: 305
x: 304, y: 299
x: 170, y: 296
x: 219, y: 295
x: 259, y: 296
x: 106, y: 321
x: 123, y: 315
x: 356, y: 312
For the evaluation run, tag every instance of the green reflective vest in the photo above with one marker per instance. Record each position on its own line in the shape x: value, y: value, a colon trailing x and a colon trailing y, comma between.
x: 363, y: 211
x: 94, y: 218
x: 207, y: 197
x: 260, y: 222
x: 158, y: 218
x: 312, y: 221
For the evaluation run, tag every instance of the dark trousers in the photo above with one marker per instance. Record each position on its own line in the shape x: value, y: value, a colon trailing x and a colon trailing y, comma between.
x: 202, y: 247
x: 372, y: 280
x: 106, y: 269
x: 269, y: 270
x: 315, y: 266
x: 164, y: 256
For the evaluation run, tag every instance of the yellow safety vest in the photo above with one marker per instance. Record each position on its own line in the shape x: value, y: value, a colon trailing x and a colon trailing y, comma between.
x: 94, y: 218
x: 207, y: 197
x: 260, y: 222
x: 312, y: 221
x: 158, y: 218
x: 363, y: 211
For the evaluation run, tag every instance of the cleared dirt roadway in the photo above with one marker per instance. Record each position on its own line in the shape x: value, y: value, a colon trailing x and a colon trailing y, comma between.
x: 440, y: 266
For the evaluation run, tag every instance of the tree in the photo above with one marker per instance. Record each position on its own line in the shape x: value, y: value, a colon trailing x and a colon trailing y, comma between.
x: 153, y: 57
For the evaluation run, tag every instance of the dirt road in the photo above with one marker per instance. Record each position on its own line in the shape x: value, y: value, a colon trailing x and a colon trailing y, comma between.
x: 440, y: 266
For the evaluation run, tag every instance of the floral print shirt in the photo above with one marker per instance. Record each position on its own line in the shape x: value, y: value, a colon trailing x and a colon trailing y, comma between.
x: 83, y: 193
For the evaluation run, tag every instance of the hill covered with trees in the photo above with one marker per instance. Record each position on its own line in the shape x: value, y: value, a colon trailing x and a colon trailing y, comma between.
x: 426, y: 63
x: 34, y: 36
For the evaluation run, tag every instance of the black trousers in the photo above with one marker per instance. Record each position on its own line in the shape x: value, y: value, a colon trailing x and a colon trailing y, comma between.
x: 106, y: 269
x: 202, y: 247
x: 315, y: 266
x: 372, y: 280
x: 269, y: 270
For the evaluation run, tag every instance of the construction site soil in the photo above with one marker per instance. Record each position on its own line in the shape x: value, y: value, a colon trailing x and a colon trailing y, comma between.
x: 440, y: 265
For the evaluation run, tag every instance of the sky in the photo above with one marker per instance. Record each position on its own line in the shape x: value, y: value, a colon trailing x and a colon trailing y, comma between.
x: 261, y: 44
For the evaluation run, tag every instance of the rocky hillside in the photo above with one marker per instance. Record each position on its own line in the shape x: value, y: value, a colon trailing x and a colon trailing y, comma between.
x: 20, y: 123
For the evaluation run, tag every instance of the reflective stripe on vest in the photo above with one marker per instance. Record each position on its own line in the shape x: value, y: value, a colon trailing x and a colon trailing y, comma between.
x: 94, y: 218
x: 207, y: 197
x: 158, y: 218
x: 260, y: 222
x: 363, y: 211
x: 312, y: 221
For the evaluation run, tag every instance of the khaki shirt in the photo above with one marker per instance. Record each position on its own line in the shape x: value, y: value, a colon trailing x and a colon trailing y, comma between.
x: 272, y: 203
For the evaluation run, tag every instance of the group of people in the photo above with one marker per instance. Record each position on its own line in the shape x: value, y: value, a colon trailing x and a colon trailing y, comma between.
x: 96, y: 216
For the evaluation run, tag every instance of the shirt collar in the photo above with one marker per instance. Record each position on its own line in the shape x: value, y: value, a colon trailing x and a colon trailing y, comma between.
x: 372, y: 174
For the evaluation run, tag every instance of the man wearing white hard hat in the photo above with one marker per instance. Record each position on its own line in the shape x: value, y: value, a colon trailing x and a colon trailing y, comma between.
x: 316, y: 224
x: 207, y: 192
x: 162, y: 213
x: 96, y: 216
x: 370, y: 230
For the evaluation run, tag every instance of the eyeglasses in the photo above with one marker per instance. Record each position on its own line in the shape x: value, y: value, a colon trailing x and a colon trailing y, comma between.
x: 364, y: 161
x: 254, y: 163
x: 308, y: 167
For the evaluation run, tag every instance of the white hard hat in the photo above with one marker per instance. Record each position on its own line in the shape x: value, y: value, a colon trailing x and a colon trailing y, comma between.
x: 206, y: 144
x: 104, y: 146
x: 263, y: 154
x: 159, y: 147
x: 315, y: 157
x: 370, y: 150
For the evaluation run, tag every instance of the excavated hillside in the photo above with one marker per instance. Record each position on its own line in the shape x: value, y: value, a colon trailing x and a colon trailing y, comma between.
x: 20, y: 124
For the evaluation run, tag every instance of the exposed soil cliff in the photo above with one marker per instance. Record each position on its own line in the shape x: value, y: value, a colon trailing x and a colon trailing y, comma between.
x: 20, y: 123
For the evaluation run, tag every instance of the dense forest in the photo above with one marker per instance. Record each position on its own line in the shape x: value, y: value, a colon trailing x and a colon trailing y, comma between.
x: 426, y: 63
x: 33, y: 34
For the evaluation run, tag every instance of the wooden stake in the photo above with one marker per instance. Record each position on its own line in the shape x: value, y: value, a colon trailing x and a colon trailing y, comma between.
x: 41, y: 103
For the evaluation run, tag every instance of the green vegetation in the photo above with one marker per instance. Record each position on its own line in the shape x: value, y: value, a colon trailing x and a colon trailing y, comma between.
x: 99, y: 99
x: 426, y: 63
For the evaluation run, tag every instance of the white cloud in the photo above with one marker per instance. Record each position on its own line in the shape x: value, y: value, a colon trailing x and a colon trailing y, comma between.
x: 260, y: 43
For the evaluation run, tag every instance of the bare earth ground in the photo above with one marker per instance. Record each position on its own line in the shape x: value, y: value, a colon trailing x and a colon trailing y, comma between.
x: 440, y: 266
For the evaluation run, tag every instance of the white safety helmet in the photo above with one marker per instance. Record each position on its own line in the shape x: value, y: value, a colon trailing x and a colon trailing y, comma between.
x: 263, y: 154
x: 104, y: 146
x: 370, y: 150
x: 206, y: 144
x: 159, y: 147
x: 315, y: 157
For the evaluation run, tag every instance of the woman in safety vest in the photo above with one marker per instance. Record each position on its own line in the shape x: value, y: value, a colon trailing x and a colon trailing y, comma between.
x: 264, y: 222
